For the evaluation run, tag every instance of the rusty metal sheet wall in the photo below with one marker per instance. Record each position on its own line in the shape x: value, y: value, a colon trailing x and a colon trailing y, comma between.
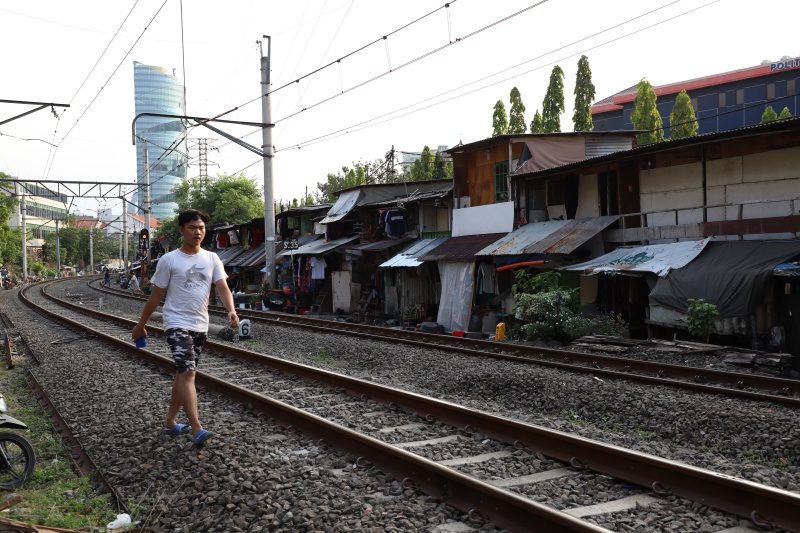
x: 568, y: 238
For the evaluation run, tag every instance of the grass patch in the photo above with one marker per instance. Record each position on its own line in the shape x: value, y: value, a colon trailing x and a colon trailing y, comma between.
x: 55, y: 496
x: 324, y: 358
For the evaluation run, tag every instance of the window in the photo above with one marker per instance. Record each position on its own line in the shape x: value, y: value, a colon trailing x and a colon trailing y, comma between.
x: 721, y: 99
x: 739, y: 96
x: 770, y: 91
x: 694, y: 104
x: 790, y: 91
x: 500, y: 182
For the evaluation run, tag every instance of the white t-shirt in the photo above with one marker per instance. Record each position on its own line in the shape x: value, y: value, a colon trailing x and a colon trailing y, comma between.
x: 188, y: 280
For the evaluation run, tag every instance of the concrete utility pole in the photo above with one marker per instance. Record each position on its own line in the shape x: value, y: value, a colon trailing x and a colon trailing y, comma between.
x: 125, y: 232
x: 58, y: 250
x: 91, y: 249
x: 269, y: 197
x: 146, y: 203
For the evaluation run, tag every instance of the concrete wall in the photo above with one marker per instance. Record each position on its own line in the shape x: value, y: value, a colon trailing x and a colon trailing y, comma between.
x: 761, y: 176
x: 490, y: 218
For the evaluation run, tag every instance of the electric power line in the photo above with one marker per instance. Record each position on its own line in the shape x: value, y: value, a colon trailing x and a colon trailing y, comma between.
x: 446, y: 6
x: 366, y: 123
x: 412, y: 61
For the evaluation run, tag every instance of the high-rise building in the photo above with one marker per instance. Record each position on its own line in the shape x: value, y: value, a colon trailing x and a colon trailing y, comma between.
x: 157, y: 91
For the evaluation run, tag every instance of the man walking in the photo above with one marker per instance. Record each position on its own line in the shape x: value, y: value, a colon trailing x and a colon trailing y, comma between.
x: 133, y: 284
x: 189, y: 273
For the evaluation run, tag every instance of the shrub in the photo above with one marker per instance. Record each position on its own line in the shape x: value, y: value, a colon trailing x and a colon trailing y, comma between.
x: 700, y: 318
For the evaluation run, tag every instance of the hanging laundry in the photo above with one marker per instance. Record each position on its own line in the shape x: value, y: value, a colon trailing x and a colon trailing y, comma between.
x: 222, y: 240
x: 318, y: 265
x: 487, y: 274
x: 396, y: 223
x: 233, y: 238
x: 284, y: 230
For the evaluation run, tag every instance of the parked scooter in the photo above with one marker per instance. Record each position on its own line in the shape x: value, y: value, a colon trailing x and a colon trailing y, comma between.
x: 17, y: 458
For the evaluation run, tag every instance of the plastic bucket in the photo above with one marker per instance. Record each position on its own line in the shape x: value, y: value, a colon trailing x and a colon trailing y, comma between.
x: 458, y: 333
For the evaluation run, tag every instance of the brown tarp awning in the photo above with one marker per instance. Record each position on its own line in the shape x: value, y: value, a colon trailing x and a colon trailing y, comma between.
x: 549, y: 152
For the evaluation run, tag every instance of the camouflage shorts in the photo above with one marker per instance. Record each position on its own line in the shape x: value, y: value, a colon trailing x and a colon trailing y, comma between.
x: 185, y: 346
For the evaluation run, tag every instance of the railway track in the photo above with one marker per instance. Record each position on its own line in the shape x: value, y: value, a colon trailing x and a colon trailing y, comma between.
x: 751, y: 386
x: 454, y: 446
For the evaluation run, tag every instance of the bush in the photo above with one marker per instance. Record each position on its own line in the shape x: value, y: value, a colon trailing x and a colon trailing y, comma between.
x: 700, y: 318
x: 611, y: 324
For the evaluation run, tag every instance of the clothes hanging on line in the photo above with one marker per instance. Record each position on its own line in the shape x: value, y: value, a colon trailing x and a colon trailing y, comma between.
x: 318, y: 266
x: 396, y: 223
x: 233, y: 238
x: 487, y: 279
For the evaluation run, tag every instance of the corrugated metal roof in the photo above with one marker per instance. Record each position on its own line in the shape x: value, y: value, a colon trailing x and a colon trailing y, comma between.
x: 567, y: 239
x: 775, y: 126
x: 522, y: 137
x: 408, y: 257
x: 320, y: 247
x: 344, y: 204
x: 518, y: 240
x: 602, y: 145
x: 460, y: 248
x: 379, y: 245
x: 249, y: 255
x: 229, y: 253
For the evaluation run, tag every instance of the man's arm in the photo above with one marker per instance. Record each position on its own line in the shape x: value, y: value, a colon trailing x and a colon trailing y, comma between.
x: 152, y: 304
x: 227, y: 300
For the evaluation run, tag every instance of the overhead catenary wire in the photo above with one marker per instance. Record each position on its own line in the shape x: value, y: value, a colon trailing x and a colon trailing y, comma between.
x: 412, y: 61
x: 114, y: 72
x: 372, y: 122
x: 341, y: 22
x: 379, y: 39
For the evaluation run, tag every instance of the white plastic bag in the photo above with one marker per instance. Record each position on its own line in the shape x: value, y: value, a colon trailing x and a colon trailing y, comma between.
x: 122, y: 520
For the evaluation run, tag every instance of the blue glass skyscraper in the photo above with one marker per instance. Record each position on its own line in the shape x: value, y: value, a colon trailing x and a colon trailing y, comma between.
x: 156, y: 91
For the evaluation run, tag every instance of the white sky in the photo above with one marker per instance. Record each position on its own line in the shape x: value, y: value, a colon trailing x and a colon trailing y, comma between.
x: 50, y: 46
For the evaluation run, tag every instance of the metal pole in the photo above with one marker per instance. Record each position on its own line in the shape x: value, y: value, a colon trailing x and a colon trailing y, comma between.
x: 125, y: 233
x: 91, y: 249
x: 24, y: 226
x: 58, y: 250
x: 269, y: 197
x: 146, y: 203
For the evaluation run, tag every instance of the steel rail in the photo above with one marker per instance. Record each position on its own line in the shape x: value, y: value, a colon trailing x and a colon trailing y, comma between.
x: 80, y: 458
x: 696, y: 379
x: 470, y: 495
x: 762, y: 504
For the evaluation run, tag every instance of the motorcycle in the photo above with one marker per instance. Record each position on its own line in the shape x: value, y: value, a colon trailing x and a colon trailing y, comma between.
x: 17, y: 457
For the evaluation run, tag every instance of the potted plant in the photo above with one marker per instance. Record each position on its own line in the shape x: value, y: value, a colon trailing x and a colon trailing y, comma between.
x: 255, y: 301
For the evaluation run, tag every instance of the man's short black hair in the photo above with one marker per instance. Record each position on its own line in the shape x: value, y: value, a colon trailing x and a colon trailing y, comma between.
x: 190, y: 215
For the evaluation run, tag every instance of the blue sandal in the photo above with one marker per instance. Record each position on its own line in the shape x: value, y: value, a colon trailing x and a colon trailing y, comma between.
x: 202, y: 436
x: 177, y: 429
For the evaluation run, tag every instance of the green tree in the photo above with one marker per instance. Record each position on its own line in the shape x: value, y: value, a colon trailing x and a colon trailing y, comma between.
x: 682, y: 122
x: 536, y: 123
x: 645, y: 114
x: 516, y: 117
x: 553, y: 104
x: 228, y: 198
x: 442, y: 169
x: 499, y: 121
x: 769, y: 115
x: 584, y: 96
x: 785, y: 114
x: 10, y: 247
x: 422, y: 169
